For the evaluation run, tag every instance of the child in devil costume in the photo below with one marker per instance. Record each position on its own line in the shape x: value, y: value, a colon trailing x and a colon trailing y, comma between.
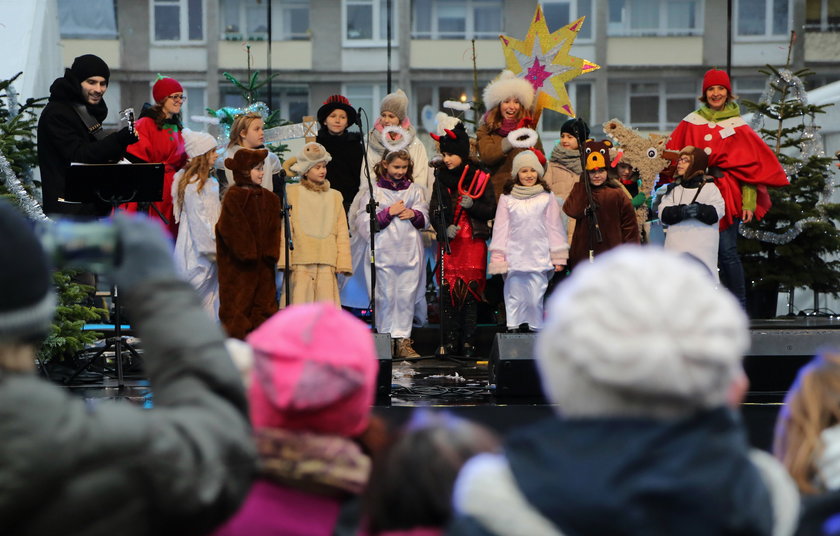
x: 467, y: 201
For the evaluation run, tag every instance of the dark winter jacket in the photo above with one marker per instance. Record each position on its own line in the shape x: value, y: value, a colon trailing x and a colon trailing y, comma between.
x: 343, y: 171
x: 79, y: 469
x: 616, y: 219
x: 63, y: 138
x: 624, y: 476
x: 482, y: 210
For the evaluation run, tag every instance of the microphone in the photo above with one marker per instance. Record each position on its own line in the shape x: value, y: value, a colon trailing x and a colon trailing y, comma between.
x: 359, y: 117
x: 436, y: 162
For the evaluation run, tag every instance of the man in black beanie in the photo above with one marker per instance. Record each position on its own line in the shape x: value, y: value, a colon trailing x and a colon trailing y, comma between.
x: 68, y: 467
x: 70, y: 130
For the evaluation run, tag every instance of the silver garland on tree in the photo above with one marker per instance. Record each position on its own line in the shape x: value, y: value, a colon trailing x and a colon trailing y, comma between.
x: 27, y: 203
x: 811, y: 146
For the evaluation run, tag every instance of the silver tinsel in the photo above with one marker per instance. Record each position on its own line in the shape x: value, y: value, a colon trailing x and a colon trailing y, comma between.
x: 27, y: 203
x: 811, y: 146
x: 11, y: 98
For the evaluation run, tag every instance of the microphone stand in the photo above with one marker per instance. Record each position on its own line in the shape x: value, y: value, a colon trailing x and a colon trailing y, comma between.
x: 595, y: 236
x: 444, y: 249
x: 372, y: 221
x: 288, y: 245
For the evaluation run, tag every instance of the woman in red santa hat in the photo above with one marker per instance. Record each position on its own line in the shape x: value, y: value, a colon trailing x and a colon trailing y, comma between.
x: 161, y: 141
x: 741, y: 162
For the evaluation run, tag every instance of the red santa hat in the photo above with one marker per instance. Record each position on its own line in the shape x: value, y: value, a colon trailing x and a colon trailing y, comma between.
x: 716, y: 77
x: 164, y: 87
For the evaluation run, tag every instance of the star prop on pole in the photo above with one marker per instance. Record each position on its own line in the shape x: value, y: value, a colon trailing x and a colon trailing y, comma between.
x: 543, y: 59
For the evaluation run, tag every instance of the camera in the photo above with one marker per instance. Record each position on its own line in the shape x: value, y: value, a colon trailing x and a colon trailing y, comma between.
x: 92, y: 246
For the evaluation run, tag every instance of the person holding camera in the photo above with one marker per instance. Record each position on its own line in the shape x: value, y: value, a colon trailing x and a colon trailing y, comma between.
x: 70, y: 130
x: 72, y: 468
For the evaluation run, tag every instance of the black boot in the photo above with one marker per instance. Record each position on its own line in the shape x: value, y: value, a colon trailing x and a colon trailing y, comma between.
x: 449, y: 323
x: 470, y: 323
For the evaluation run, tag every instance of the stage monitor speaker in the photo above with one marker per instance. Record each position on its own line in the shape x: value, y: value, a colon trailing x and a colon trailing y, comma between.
x: 384, y: 353
x: 513, y: 368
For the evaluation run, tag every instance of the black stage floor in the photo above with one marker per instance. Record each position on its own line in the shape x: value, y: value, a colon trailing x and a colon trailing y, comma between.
x: 499, y: 388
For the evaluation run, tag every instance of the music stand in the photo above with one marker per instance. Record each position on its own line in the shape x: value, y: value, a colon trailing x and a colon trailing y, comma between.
x: 113, y: 185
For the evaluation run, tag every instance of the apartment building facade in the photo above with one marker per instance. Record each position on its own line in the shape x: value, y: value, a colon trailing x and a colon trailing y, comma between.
x: 652, y: 53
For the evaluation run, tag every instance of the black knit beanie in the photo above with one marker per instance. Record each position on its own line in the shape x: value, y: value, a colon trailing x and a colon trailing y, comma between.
x: 89, y: 65
x: 570, y: 127
x: 27, y: 301
x: 459, y: 145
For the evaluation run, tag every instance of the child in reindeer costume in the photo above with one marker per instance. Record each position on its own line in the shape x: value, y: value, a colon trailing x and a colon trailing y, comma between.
x: 467, y: 202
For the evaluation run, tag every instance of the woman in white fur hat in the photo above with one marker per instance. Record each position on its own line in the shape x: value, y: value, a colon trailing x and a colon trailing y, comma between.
x: 509, y: 100
x: 195, y: 195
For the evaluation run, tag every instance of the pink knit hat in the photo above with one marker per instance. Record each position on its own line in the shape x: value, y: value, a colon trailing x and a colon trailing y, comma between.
x: 165, y: 87
x: 314, y: 369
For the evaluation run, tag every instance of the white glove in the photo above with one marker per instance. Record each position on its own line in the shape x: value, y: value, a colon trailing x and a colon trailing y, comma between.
x: 466, y: 201
x: 452, y: 230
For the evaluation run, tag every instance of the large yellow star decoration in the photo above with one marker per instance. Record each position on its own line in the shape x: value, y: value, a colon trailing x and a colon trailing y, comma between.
x: 543, y: 59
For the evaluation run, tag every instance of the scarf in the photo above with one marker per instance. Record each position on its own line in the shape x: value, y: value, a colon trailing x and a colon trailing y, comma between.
x: 311, y: 186
x: 392, y: 184
x: 318, y: 463
x: 507, y: 126
x: 568, y: 158
x: 526, y: 192
x: 730, y: 110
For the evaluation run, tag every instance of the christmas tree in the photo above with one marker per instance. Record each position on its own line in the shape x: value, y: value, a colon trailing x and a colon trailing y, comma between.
x: 796, y: 243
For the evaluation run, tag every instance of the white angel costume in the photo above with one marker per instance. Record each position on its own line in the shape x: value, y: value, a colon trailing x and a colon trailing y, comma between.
x: 399, y: 256
x: 528, y: 241
x: 195, y: 247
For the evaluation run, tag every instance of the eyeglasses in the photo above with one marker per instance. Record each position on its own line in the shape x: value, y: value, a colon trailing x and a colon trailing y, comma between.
x: 684, y: 160
x: 181, y: 98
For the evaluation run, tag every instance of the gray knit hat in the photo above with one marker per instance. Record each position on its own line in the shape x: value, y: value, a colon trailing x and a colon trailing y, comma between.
x: 396, y: 103
x: 27, y: 301
x: 640, y: 332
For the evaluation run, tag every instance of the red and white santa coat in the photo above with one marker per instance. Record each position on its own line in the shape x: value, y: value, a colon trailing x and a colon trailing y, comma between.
x: 742, y: 156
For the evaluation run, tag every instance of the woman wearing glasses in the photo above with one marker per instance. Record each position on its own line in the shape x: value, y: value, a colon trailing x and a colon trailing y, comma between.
x: 159, y: 128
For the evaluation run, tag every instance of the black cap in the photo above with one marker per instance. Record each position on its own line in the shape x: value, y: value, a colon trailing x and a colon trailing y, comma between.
x: 89, y: 65
x: 336, y: 102
x: 573, y: 125
x: 27, y: 302
x: 459, y: 145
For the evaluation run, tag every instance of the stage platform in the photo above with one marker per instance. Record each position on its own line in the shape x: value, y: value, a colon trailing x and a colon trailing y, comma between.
x: 499, y: 387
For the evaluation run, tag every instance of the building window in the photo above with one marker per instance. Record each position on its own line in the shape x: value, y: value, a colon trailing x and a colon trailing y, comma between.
x: 822, y: 15
x: 655, y: 17
x: 178, y: 21
x: 428, y: 100
x: 195, y: 105
x: 465, y: 19
x: 247, y: 20
x: 762, y: 18
x: 749, y: 88
x: 367, y: 96
x: 657, y: 106
x: 551, y: 121
x: 87, y: 19
x: 366, y: 21
x: 559, y: 13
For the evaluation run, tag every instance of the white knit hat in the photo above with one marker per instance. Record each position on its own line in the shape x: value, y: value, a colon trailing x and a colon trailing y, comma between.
x: 311, y: 154
x: 527, y: 158
x: 508, y: 85
x: 197, y: 143
x: 396, y: 103
x: 640, y: 332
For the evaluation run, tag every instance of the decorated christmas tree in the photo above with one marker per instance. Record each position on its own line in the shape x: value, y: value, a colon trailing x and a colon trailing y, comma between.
x: 795, y: 245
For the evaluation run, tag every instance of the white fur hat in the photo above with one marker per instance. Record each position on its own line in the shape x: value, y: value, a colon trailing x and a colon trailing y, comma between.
x: 311, y: 154
x: 508, y: 85
x: 197, y: 143
x: 527, y: 158
x: 640, y: 332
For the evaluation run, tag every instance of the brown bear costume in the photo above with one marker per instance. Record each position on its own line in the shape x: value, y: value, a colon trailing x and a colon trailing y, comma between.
x: 247, y: 246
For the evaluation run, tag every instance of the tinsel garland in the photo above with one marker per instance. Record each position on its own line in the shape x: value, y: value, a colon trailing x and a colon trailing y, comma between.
x: 30, y: 206
x: 227, y: 115
x: 811, y: 146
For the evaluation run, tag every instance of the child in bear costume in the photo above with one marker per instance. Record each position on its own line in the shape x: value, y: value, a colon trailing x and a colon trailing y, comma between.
x: 247, y: 246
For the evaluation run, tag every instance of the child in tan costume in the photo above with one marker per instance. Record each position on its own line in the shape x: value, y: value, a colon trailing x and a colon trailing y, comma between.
x: 247, y: 244
x: 319, y: 230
